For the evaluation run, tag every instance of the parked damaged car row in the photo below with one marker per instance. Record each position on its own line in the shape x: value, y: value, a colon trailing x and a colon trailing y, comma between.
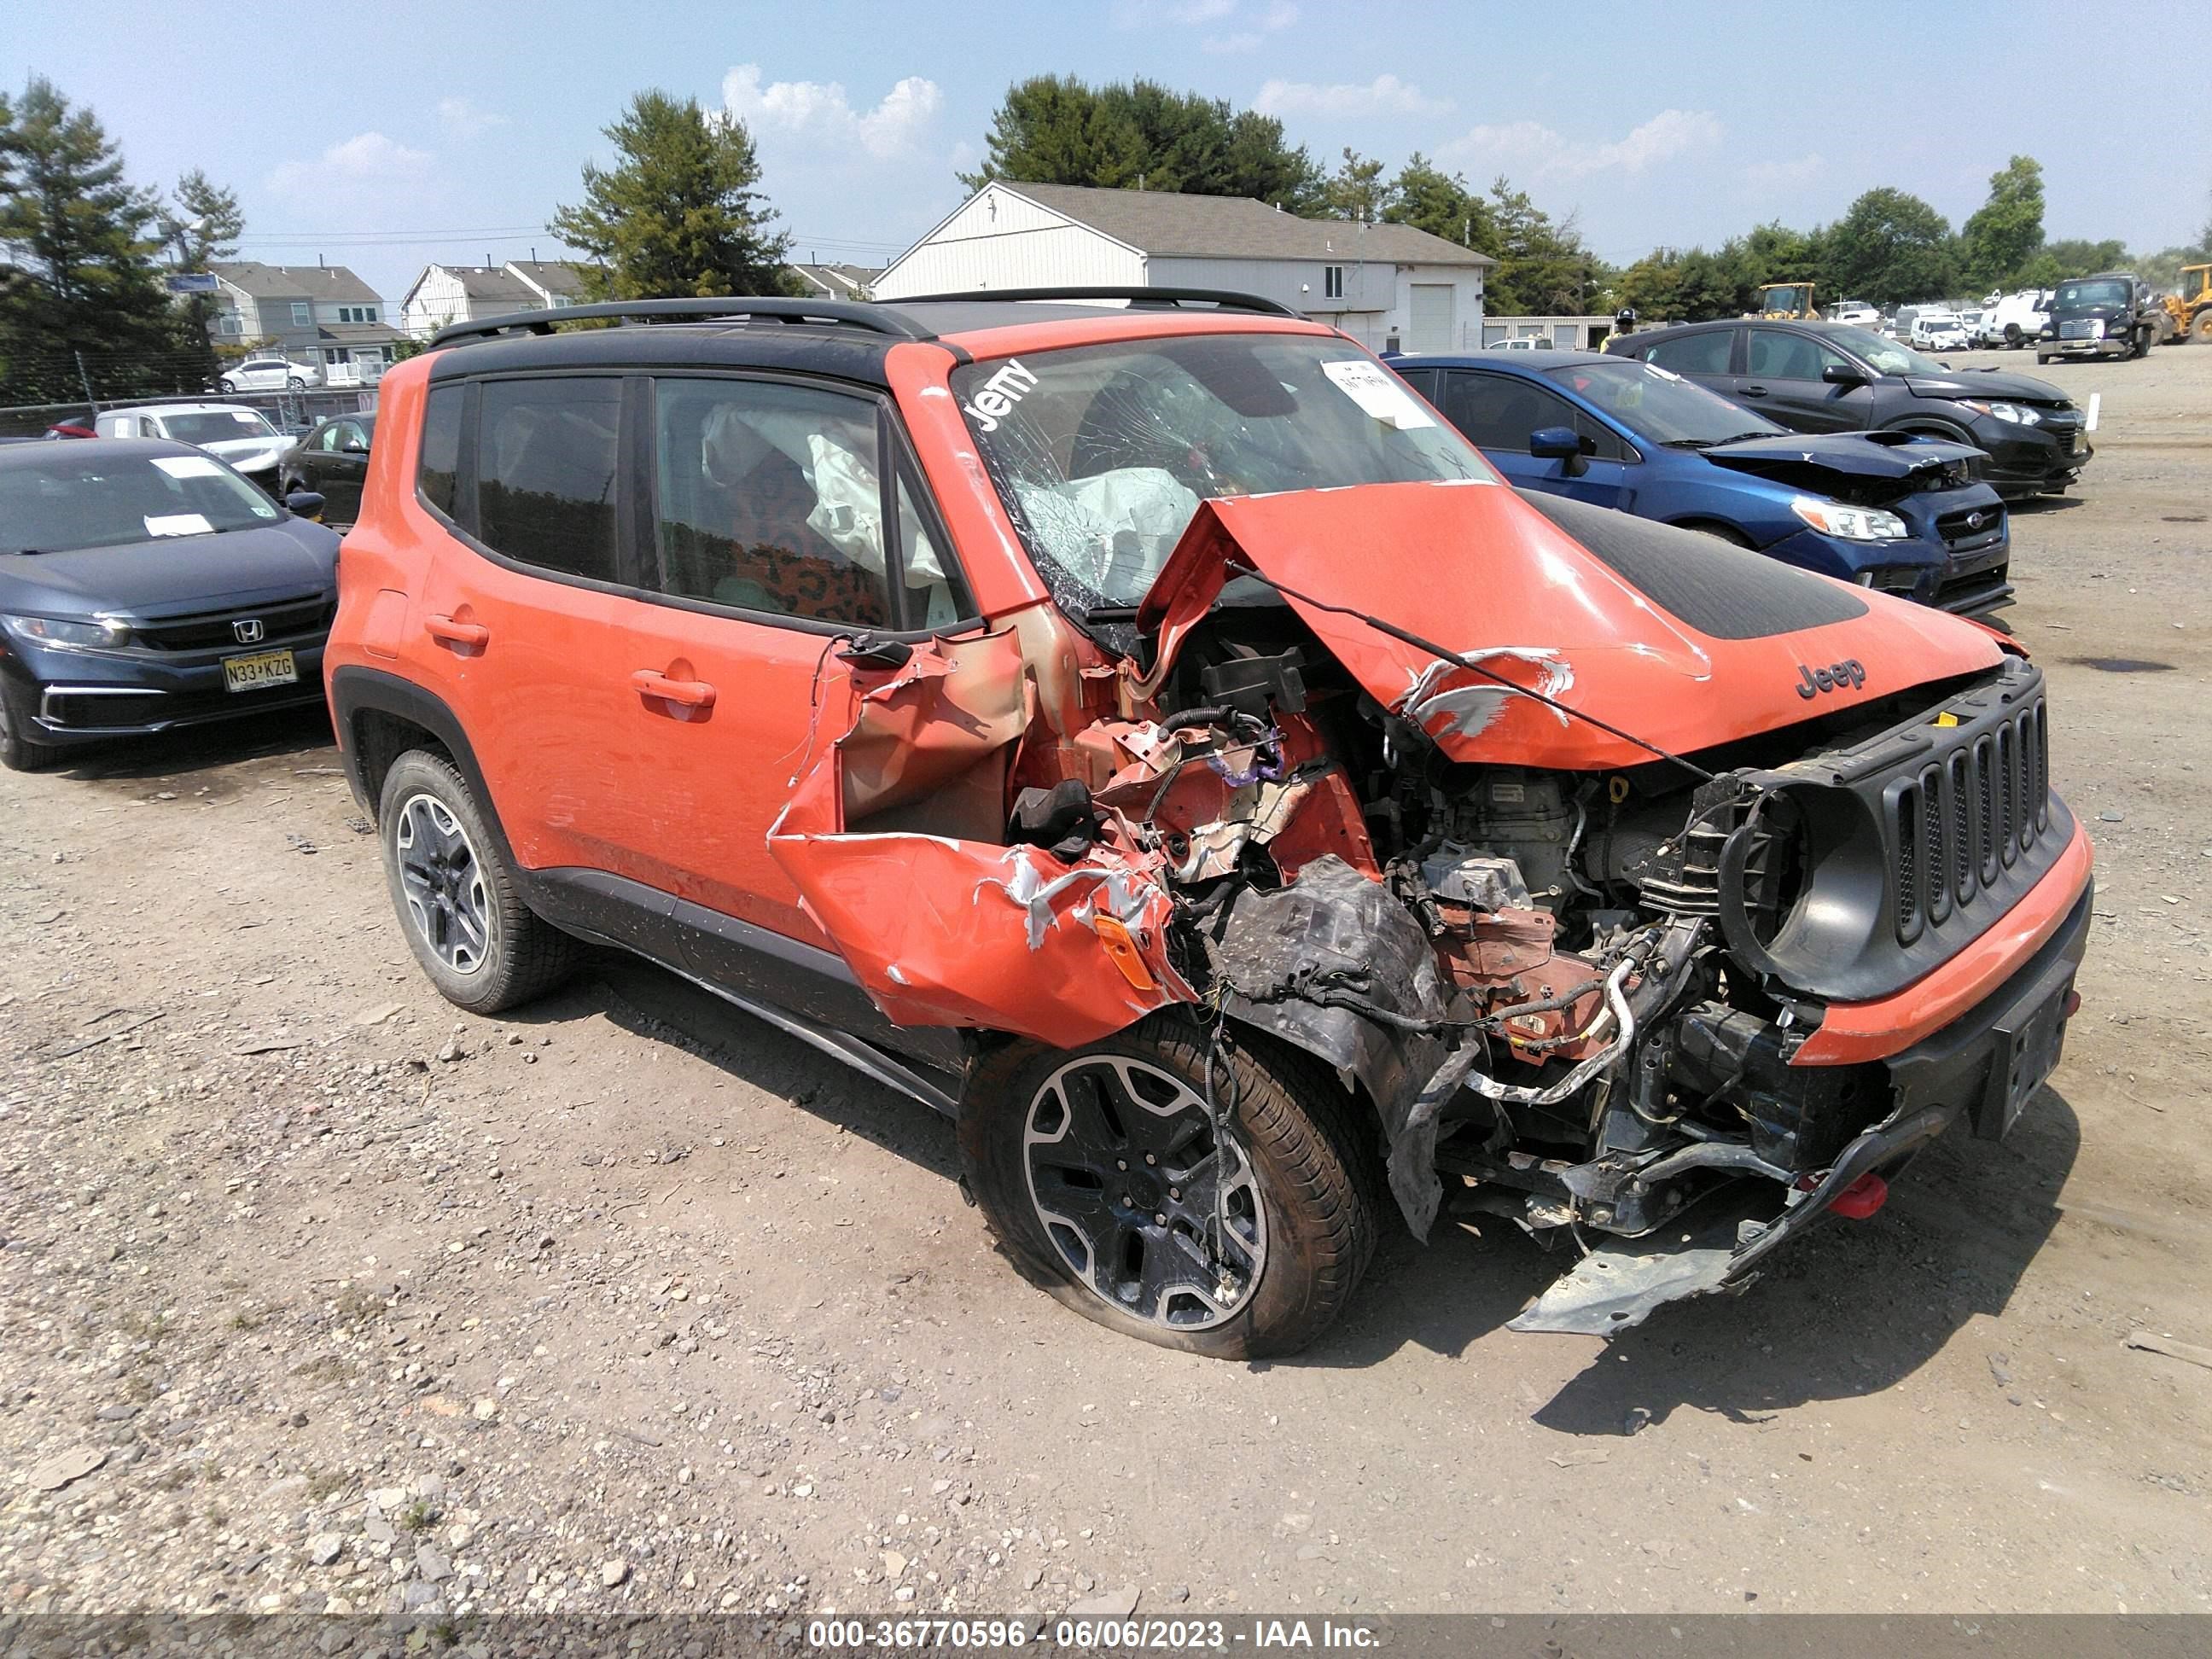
x: 1155, y: 738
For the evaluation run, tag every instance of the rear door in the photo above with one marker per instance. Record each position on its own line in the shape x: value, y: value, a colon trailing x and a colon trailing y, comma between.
x: 1499, y: 412
x: 1782, y: 380
x: 527, y: 609
x: 1709, y: 356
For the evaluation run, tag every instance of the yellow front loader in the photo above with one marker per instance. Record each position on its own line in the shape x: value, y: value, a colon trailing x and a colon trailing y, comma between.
x: 1786, y: 301
x: 2192, y: 308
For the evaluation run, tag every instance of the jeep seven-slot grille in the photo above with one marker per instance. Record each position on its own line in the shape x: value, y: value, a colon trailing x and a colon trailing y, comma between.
x: 1966, y: 818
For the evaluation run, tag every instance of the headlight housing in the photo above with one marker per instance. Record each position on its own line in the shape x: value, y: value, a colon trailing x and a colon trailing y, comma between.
x: 105, y: 634
x: 1850, y: 524
x: 2011, y: 414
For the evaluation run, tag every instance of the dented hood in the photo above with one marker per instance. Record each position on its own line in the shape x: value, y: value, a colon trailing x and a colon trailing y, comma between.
x: 1843, y: 460
x: 1679, y: 638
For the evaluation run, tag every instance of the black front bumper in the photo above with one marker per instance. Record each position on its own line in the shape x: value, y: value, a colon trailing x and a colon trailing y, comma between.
x: 86, y: 697
x: 1976, y: 1067
x: 2037, y: 461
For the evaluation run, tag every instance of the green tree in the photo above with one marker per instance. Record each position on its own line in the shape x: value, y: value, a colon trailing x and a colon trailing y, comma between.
x: 2073, y: 256
x: 1356, y: 191
x: 2003, y: 233
x: 200, y: 225
x: 1428, y: 198
x: 82, y: 238
x: 1891, y: 247
x: 1060, y: 129
x: 677, y: 215
x: 1543, y: 268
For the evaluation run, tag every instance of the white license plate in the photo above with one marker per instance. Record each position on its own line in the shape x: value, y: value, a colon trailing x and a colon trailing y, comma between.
x: 263, y: 668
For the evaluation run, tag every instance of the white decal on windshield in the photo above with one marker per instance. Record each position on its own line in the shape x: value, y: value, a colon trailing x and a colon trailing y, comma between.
x: 178, y: 524
x: 999, y: 394
x: 188, y: 466
x: 1378, y: 393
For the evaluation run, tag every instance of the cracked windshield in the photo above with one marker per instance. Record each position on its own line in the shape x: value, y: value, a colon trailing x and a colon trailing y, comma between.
x: 1102, y: 453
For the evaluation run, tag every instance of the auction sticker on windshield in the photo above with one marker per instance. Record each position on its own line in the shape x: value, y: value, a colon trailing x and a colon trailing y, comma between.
x: 178, y: 524
x: 1377, y: 392
x: 188, y: 466
x: 263, y: 668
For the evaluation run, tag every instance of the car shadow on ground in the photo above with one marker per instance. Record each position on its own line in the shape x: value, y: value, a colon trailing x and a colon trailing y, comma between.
x: 1850, y: 1309
x: 2039, y: 506
x: 172, y: 756
x: 651, y: 1002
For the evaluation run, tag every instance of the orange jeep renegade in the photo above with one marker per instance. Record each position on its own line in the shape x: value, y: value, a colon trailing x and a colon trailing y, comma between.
x: 1131, y: 722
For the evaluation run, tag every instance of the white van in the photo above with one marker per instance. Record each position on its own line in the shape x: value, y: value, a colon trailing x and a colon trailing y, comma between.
x: 2018, y: 319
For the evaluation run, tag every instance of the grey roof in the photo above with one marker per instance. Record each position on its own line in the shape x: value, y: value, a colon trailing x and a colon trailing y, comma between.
x: 494, y: 283
x: 261, y: 282
x: 1238, y: 227
x: 553, y: 276
x: 837, y: 281
x: 357, y: 334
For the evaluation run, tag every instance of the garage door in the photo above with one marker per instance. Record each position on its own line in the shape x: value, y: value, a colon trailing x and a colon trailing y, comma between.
x: 1432, y: 318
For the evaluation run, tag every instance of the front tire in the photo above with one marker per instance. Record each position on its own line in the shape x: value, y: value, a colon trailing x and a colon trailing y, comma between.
x: 1096, y: 1169
x: 459, y: 905
x: 19, y: 752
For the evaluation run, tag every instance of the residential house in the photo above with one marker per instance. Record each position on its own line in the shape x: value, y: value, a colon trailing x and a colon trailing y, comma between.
x: 319, y: 314
x: 445, y: 294
x: 823, y: 281
x: 1384, y: 285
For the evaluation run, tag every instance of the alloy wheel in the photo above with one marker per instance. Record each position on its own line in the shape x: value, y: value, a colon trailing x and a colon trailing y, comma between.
x: 444, y: 882
x: 1159, y: 1216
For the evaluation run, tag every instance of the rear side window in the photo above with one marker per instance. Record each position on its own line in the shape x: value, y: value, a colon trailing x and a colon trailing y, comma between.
x: 1694, y: 354
x: 546, y: 466
x: 438, y: 472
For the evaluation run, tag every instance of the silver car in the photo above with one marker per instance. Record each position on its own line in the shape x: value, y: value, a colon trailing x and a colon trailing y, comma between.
x: 270, y: 375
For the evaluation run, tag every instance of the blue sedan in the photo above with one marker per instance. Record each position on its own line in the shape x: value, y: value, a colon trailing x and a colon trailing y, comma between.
x: 1883, y: 509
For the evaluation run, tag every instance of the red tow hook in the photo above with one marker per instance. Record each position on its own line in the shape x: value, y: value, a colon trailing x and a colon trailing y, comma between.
x: 2073, y: 1005
x: 1861, y: 1198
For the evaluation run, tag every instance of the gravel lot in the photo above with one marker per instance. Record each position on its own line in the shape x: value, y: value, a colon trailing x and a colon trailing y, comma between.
x: 315, y: 1295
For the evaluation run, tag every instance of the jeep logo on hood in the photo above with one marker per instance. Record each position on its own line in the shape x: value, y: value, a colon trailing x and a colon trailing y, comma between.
x: 1814, y: 681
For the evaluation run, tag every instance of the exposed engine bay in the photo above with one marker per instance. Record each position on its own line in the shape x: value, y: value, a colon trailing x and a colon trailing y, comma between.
x: 1572, y: 995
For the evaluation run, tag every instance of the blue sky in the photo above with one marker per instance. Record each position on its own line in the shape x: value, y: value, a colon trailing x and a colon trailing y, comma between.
x: 387, y: 135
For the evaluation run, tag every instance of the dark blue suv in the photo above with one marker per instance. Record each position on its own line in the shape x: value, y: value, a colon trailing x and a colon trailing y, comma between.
x: 1883, y: 509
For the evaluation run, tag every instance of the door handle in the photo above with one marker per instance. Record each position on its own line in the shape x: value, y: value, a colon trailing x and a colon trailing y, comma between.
x: 456, y: 633
x: 1753, y: 391
x: 686, y: 694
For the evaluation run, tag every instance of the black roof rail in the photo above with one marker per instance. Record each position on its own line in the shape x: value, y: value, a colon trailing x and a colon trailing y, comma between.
x: 1166, y: 297
x: 846, y: 312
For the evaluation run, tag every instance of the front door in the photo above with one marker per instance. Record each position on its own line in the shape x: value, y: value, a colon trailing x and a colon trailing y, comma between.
x: 1782, y: 380
x: 770, y: 553
x: 1499, y: 413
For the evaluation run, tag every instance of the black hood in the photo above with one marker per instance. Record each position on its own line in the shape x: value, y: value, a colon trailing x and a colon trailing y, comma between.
x: 174, y: 575
x: 1985, y: 383
x: 1855, y: 465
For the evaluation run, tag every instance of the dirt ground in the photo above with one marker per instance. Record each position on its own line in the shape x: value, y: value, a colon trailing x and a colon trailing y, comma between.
x: 629, y: 1302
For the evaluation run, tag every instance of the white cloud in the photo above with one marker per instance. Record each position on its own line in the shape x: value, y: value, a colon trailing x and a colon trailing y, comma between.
x: 364, y: 163
x: 1277, y: 17
x: 1769, y: 175
x: 1149, y: 14
x: 463, y: 119
x: 1533, y: 148
x: 1386, y: 94
x: 819, y: 111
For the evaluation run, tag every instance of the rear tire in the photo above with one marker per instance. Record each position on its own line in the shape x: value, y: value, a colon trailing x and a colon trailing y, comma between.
x: 457, y: 899
x: 18, y: 753
x: 1109, y: 1139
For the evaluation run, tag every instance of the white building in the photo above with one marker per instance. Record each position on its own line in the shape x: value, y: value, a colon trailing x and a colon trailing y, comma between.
x: 445, y: 294
x: 1376, y: 282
